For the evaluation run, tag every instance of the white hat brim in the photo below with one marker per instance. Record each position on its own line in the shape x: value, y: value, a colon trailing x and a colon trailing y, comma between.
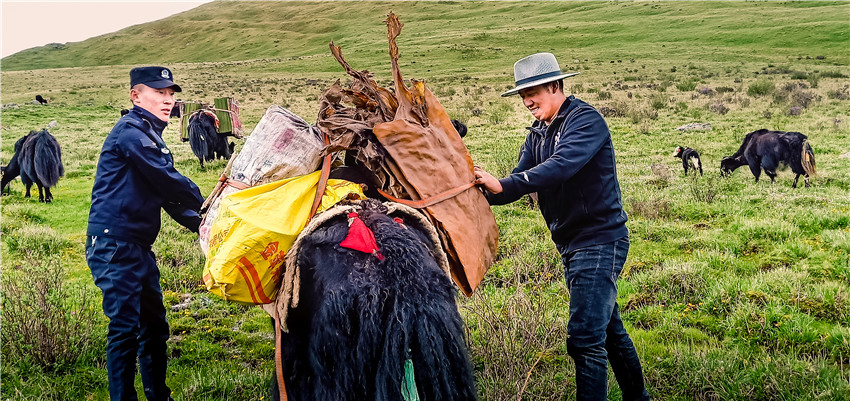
x: 541, y: 81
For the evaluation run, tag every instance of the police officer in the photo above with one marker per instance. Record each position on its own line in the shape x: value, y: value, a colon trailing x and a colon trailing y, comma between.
x: 135, y: 179
x: 568, y: 159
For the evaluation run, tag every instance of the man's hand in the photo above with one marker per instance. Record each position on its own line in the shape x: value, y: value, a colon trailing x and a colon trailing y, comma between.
x: 486, y: 180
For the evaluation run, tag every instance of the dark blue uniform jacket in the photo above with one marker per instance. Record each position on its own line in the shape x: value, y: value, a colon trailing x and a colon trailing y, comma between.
x: 135, y: 179
x: 570, y: 164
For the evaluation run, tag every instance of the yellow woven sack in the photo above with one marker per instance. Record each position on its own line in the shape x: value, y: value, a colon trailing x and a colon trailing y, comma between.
x: 255, y: 228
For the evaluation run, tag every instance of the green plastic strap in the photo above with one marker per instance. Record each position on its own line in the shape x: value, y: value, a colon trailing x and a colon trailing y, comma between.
x: 408, y: 385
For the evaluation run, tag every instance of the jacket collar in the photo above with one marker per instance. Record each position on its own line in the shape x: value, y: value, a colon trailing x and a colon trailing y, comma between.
x: 540, y: 127
x: 157, y: 124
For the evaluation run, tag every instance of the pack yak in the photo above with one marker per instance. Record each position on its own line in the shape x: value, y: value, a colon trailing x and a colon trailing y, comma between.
x: 376, y: 318
x: 765, y: 149
x: 38, y: 160
x: 205, y: 140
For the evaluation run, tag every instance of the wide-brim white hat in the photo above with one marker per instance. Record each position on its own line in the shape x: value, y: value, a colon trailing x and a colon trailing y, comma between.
x: 536, y: 69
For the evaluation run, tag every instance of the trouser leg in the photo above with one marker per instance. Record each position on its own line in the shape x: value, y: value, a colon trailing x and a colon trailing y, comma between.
x: 111, y: 264
x: 153, y: 360
x: 624, y: 360
x: 596, y: 333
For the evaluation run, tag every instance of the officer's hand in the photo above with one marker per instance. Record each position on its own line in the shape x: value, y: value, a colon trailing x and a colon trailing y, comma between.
x: 486, y: 180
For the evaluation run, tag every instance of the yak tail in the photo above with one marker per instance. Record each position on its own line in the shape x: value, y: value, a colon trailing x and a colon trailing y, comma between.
x: 48, y: 160
x: 807, y: 158
x: 197, y: 138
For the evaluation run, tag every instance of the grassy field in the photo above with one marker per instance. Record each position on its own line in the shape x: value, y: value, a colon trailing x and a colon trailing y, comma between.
x: 733, y: 290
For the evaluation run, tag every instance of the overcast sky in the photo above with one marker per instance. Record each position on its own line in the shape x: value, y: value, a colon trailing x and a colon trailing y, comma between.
x: 29, y: 24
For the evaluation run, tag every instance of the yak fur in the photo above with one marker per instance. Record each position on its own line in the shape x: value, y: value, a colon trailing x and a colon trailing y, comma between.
x: 360, y: 318
x: 38, y: 160
x: 206, y: 142
x: 765, y: 149
x: 690, y: 158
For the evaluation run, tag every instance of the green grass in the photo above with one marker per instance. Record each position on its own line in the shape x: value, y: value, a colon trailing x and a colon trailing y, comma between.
x: 733, y: 290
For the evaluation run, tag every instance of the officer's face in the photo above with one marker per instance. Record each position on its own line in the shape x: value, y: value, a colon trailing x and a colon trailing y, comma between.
x: 157, y: 101
x: 543, y: 101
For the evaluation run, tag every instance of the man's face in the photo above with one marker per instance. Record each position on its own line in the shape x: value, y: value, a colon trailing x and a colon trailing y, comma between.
x: 157, y: 101
x: 543, y: 101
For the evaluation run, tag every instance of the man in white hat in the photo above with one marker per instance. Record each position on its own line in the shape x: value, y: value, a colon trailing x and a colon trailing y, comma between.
x: 568, y: 159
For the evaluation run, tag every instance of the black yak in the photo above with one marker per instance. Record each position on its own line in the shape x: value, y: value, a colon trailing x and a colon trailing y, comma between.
x: 765, y: 149
x: 379, y: 323
x: 206, y: 143
x: 40, y: 99
x: 459, y: 127
x: 690, y: 157
x: 37, y: 159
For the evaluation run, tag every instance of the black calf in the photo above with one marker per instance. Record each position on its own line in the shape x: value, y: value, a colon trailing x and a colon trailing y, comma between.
x: 40, y: 99
x: 206, y: 143
x: 38, y: 160
x: 765, y: 149
x: 690, y: 157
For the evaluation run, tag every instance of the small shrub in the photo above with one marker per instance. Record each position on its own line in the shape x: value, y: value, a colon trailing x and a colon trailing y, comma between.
x: 704, y: 189
x: 604, y: 95
x: 718, y: 108
x: 45, y: 321
x: 842, y: 93
x: 795, y: 111
x: 687, y: 86
x: 35, y: 238
x: 724, y: 89
x: 813, y: 80
x: 653, y: 208
x: 706, y: 91
x: 761, y: 88
x: 833, y: 74
x: 658, y: 101
x: 609, y: 112
x: 642, y: 114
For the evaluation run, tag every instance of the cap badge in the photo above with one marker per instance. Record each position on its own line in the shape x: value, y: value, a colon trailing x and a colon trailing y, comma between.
x: 165, y: 74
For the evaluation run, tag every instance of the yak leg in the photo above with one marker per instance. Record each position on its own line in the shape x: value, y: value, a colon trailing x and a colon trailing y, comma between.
x: 685, y: 165
x: 49, y: 196
x: 40, y: 192
x: 755, y: 168
x: 27, y: 194
x: 769, y: 165
x: 806, y: 179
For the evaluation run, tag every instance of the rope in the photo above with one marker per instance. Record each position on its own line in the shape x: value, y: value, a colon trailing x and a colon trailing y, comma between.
x: 423, y: 203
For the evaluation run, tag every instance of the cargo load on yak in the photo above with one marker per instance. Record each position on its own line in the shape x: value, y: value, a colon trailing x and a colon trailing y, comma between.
x: 406, y: 139
x: 260, y: 205
x: 226, y: 110
x: 403, y: 137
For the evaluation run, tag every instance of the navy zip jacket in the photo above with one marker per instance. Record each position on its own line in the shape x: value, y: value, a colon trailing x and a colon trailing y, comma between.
x: 135, y: 179
x: 570, y: 164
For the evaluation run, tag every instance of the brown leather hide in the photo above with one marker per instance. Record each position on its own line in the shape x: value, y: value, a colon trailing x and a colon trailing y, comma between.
x: 420, y: 155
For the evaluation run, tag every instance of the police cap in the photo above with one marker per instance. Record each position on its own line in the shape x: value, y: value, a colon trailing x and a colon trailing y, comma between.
x: 154, y: 77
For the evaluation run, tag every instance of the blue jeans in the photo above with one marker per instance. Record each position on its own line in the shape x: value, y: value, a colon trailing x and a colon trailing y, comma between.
x: 127, y: 275
x: 596, y: 333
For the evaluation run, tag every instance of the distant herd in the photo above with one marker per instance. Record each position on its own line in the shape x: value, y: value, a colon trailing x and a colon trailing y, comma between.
x: 37, y: 158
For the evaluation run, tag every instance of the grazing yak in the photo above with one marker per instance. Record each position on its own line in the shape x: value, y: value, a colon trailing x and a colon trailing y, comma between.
x: 40, y: 99
x: 377, y: 317
x: 37, y: 159
x: 205, y: 140
x: 690, y: 157
x: 765, y: 149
